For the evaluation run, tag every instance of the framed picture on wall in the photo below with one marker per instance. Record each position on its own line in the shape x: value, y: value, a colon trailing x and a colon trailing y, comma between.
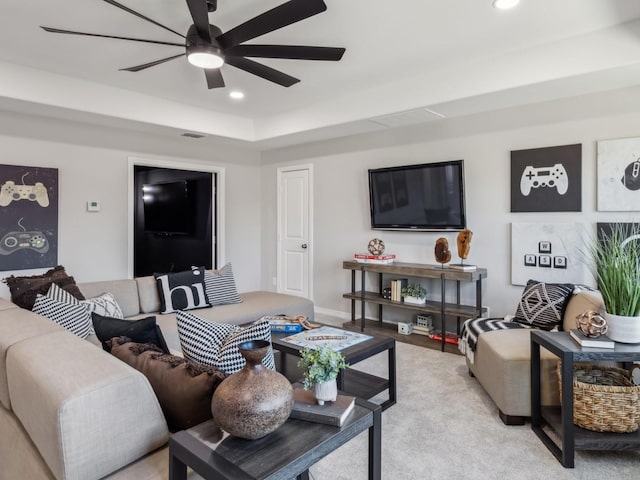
x: 531, y: 257
x: 547, y: 179
x: 28, y: 217
x: 619, y: 175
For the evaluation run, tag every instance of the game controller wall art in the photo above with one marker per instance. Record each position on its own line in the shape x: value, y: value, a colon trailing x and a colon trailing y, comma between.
x: 547, y: 179
x: 28, y: 217
x: 619, y: 175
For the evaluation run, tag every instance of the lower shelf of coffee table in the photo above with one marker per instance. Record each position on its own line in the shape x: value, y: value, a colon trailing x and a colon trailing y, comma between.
x: 590, y: 440
x: 363, y: 385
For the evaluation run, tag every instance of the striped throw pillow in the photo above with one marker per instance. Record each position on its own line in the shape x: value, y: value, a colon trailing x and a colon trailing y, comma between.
x: 221, y: 286
x: 75, y: 318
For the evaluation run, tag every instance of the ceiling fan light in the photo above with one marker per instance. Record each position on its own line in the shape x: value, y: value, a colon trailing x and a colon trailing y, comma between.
x: 505, y: 4
x: 205, y: 56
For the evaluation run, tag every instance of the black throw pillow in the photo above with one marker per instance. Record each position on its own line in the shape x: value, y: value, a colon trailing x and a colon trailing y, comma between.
x: 139, y: 331
x: 182, y: 290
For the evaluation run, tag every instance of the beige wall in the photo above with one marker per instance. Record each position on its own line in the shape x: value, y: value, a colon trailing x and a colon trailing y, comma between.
x: 342, y: 205
x: 94, y: 246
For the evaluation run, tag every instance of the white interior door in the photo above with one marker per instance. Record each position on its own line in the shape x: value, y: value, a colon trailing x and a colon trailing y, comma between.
x: 294, y: 231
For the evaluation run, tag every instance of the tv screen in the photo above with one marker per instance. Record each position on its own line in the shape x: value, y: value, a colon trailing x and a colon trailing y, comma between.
x: 425, y: 197
x: 168, y: 207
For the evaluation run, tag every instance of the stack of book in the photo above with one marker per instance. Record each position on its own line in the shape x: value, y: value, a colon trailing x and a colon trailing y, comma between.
x: 396, y: 288
x: 306, y: 408
x: 279, y: 323
x: 379, y: 259
x: 423, y: 329
x: 591, y: 342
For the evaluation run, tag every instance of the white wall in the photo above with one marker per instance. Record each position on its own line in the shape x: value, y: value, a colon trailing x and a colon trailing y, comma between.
x: 341, y: 193
x: 93, y: 246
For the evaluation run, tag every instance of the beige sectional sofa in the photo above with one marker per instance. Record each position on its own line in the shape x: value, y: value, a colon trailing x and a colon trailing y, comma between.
x: 69, y: 410
x: 502, y: 362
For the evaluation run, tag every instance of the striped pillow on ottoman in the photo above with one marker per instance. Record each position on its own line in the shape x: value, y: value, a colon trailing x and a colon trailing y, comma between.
x: 216, y: 344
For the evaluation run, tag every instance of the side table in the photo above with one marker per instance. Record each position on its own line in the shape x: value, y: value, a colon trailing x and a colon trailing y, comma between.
x: 560, y: 419
x: 287, y: 453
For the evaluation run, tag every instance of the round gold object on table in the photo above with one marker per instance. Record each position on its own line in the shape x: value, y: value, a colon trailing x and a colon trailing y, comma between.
x: 592, y: 324
x: 376, y: 246
x: 255, y: 401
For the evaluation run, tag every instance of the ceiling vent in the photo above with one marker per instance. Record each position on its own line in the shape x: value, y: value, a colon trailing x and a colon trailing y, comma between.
x: 410, y: 117
x: 192, y: 135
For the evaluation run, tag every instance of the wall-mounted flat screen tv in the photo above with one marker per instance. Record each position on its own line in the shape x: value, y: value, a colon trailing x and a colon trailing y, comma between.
x: 424, y: 197
x: 168, y: 207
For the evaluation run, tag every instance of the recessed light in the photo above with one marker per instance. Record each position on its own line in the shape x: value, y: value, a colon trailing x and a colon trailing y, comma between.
x: 505, y: 4
x: 236, y: 94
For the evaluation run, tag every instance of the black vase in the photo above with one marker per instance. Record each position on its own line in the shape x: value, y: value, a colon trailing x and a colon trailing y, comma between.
x: 255, y: 401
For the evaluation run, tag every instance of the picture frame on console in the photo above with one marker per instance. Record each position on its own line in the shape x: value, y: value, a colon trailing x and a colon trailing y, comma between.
x: 547, y: 179
x: 28, y: 217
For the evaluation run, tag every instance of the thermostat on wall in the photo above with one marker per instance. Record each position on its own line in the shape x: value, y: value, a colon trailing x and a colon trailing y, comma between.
x: 93, y: 206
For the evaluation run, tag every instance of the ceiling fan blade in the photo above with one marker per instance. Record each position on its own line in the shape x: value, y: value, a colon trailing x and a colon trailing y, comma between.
x: 214, y: 78
x: 200, y: 16
x: 294, y: 52
x: 57, y: 30
x: 263, y: 71
x: 133, y: 12
x: 278, y: 17
x: 151, y: 64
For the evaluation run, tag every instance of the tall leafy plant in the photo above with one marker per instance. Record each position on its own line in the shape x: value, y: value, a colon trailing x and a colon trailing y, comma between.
x: 616, y: 267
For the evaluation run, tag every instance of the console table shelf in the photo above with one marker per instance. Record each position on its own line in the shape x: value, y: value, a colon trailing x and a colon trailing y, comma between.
x: 416, y: 270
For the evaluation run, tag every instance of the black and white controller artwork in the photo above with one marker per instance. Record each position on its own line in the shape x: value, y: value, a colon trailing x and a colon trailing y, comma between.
x: 10, y: 192
x: 553, y: 177
x: 631, y: 178
x: 14, y: 241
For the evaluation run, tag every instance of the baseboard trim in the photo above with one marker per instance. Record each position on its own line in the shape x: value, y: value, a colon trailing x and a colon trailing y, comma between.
x: 333, y: 313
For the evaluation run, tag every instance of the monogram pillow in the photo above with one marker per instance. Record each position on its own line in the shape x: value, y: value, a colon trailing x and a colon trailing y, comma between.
x: 182, y: 290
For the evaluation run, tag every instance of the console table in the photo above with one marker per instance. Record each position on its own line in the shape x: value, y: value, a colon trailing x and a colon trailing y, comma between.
x: 417, y: 270
x: 560, y: 419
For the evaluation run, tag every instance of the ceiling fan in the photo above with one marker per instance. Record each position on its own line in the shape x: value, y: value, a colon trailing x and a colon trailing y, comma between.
x: 206, y: 46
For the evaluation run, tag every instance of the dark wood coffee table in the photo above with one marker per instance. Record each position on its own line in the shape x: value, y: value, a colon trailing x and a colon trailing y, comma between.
x: 353, y: 382
x: 287, y: 453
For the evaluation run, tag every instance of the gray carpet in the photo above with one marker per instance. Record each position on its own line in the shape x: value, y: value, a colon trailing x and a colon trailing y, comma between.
x: 445, y: 426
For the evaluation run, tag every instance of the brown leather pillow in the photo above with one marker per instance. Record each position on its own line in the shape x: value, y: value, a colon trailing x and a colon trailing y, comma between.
x: 184, y: 388
x: 24, y: 290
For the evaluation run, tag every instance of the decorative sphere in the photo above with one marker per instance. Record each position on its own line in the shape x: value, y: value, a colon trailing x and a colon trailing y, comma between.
x: 592, y: 324
x: 376, y: 246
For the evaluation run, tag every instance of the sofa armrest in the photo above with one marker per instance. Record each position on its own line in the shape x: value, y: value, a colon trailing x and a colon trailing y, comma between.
x: 88, y: 413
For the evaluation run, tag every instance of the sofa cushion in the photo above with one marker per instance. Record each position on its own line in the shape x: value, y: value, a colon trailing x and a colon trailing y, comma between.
x: 144, y: 330
x: 542, y: 305
x: 125, y: 293
x: 75, y: 318
x: 184, y: 388
x: 182, y: 290
x: 88, y: 413
x: 216, y: 344
x: 25, y: 289
x: 17, y: 324
x: 221, y: 286
x: 581, y: 301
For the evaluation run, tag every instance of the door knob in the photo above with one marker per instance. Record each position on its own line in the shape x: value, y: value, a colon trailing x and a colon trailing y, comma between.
x: 304, y: 245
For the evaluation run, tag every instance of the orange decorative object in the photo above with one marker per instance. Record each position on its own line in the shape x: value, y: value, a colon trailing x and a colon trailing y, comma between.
x: 442, y: 252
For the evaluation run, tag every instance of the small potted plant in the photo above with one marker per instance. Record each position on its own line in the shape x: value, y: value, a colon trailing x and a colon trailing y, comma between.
x: 321, y: 367
x: 414, y: 294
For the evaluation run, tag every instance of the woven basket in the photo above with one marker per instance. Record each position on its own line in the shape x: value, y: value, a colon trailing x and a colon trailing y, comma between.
x: 604, y: 399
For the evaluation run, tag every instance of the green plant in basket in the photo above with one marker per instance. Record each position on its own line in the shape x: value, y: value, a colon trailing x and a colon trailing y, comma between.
x: 320, y: 364
x: 415, y: 290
